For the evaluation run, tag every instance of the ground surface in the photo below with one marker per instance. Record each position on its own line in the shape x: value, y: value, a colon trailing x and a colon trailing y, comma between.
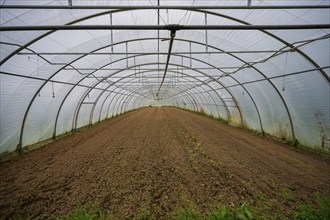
x: 154, y: 160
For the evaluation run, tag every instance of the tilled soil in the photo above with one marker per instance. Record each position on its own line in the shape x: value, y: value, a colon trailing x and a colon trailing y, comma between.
x: 155, y: 160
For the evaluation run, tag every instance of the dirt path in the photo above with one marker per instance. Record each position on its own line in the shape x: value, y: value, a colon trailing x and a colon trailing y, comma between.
x: 154, y: 160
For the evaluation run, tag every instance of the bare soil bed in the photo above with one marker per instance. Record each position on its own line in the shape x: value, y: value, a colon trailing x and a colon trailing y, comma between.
x: 154, y: 160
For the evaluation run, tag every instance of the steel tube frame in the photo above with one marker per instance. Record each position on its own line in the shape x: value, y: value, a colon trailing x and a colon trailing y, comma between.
x: 70, y: 91
x: 124, y: 59
x: 205, y: 91
x: 221, y: 85
x: 73, y: 88
x: 113, y: 84
x: 75, y: 121
x: 199, y: 92
x: 128, y: 98
x: 83, y: 78
x: 92, y: 111
x: 146, y: 53
x: 194, y: 104
x: 197, y: 10
x: 146, y: 7
x: 228, y: 113
x: 170, y: 27
x: 247, y: 90
x: 139, y: 88
x: 171, y: 64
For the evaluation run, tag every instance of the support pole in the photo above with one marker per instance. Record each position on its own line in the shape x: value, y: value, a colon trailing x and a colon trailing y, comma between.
x: 170, y: 27
x: 181, y: 7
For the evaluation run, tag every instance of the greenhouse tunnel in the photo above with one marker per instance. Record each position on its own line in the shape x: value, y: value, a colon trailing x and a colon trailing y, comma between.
x: 259, y: 65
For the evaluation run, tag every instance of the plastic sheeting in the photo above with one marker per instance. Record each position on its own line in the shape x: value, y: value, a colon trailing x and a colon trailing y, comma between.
x: 55, y: 81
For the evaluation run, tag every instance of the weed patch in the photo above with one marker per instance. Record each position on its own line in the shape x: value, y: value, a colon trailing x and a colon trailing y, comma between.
x: 320, y: 212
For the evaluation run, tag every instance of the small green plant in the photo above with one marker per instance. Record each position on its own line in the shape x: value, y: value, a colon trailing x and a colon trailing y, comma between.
x: 85, y: 213
x: 322, y: 211
x: 144, y: 216
x: 186, y: 214
x: 243, y: 212
x: 287, y: 194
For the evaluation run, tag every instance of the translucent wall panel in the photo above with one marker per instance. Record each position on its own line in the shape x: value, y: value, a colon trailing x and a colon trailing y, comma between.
x: 83, y: 115
x: 40, y: 123
x: 67, y: 112
x: 275, y: 121
x: 15, y: 96
x: 307, y: 96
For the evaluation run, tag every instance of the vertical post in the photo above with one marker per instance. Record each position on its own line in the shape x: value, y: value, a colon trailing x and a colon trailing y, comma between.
x: 210, y: 64
x: 182, y: 66
x: 134, y: 67
x: 158, y: 3
x: 206, y: 40
x: 190, y: 54
x: 126, y: 54
x: 111, y: 33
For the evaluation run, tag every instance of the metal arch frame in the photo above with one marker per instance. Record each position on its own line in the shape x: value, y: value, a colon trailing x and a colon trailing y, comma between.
x: 133, y: 7
x: 114, y: 101
x: 178, y: 99
x: 230, y: 54
x: 131, y: 97
x: 84, y: 96
x: 202, y: 92
x: 213, y: 79
x: 117, y: 99
x: 236, y: 102
x: 74, y: 121
x: 185, y: 99
x: 197, y: 10
x: 171, y: 27
x: 239, y: 83
x: 187, y: 68
x: 86, y: 93
x: 97, y: 99
x: 77, y: 111
x: 194, y: 102
x: 81, y: 101
x: 212, y: 89
x: 187, y: 96
x: 116, y: 106
x: 322, y: 72
x: 90, y: 89
x: 260, y: 123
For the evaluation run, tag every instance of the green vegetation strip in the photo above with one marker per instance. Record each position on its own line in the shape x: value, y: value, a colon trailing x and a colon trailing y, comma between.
x: 244, y: 212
